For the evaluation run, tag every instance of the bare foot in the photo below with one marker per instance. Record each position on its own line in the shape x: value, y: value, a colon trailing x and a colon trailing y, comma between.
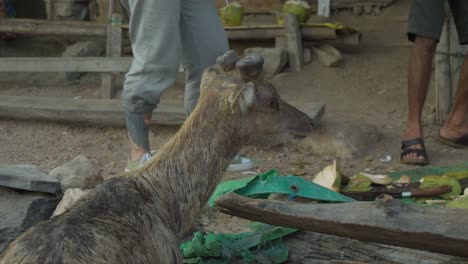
x: 453, y: 132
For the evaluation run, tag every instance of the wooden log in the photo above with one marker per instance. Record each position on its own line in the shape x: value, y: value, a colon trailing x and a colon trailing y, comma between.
x: 89, y: 111
x: 113, y: 49
x: 307, y: 247
x: 65, y: 64
x: 294, y: 43
x: 386, y: 222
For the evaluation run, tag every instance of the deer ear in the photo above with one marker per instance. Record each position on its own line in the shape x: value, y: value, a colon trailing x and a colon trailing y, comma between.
x: 242, y: 98
x: 209, y: 75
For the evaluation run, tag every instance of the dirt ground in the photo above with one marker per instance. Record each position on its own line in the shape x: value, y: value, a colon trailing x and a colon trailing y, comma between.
x: 368, y: 88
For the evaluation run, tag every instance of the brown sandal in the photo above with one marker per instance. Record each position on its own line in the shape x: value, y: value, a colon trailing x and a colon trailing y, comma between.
x: 405, y: 150
x: 461, y: 142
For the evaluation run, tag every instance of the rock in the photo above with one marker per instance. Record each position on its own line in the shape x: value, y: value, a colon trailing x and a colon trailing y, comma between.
x: 275, y: 59
x: 357, y: 10
x: 307, y: 56
x: 368, y: 9
x: 83, y: 49
x: 70, y: 197
x: 377, y: 11
x: 341, y: 139
x: 20, y: 211
x: 29, y: 178
x: 78, y: 173
x: 327, y: 55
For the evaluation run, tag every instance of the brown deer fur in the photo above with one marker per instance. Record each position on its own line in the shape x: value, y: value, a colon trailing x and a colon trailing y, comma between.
x: 141, y: 217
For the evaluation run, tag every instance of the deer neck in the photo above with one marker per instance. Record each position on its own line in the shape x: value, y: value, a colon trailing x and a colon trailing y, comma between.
x: 188, y: 168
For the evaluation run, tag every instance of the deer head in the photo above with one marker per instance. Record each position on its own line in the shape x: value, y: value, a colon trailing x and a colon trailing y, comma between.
x: 251, y: 105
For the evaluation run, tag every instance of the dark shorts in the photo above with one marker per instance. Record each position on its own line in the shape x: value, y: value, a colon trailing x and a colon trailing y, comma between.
x: 427, y: 18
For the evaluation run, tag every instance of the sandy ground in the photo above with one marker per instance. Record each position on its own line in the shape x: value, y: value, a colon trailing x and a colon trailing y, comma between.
x: 368, y: 88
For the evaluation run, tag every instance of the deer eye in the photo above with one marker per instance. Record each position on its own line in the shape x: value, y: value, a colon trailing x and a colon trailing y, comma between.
x: 273, y: 104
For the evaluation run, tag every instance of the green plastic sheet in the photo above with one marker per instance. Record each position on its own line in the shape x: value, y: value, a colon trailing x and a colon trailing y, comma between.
x: 261, y: 186
x: 417, y: 174
x: 262, y: 245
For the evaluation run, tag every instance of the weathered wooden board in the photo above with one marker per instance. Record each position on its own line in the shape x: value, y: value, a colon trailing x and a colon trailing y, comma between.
x: 29, y: 178
x: 76, y: 28
x: 306, y: 247
x: 255, y: 6
x: 65, y: 64
x: 51, y: 27
x: 104, y: 111
x: 391, y: 222
x: 92, y: 111
x: 352, y: 3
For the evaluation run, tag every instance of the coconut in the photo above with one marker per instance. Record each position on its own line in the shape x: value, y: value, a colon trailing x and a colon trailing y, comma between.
x: 232, y: 14
x: 300, y: 8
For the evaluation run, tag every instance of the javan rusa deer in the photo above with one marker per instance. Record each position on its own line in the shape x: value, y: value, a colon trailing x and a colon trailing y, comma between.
x: 141, y: 216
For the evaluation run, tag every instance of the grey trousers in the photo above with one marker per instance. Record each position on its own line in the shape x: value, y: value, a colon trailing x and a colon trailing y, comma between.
x: 165, y: 34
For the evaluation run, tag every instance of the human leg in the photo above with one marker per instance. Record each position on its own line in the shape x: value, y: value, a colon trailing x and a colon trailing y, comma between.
x: 154, y: 33
x: 203, y: 39
x: 425, y: 26
x: 455, y: 128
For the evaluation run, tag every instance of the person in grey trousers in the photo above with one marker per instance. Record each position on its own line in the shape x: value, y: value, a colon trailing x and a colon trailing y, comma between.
x: 165, y: 34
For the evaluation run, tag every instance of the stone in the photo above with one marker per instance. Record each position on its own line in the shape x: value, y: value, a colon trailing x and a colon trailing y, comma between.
x: 327, y: 55
x: 83, y: 49
x: 358, y: 10
x: 368, y: 9
x: 275, y: 59
x: 307, y: 56
x: 20, y: 211
x: 28, y: 178
x: 377, y: 11
x: 78, y: 173
x: 70, y: 197
x: 341, y: 139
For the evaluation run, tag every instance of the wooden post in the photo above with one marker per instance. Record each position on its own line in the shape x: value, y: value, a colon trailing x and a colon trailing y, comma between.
x: 114, y: 49
x: 442, y: 71
x: 294, y: 42
x: 50, y: 9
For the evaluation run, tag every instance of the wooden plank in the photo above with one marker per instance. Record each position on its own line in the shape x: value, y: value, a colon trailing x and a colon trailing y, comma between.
x: 105, y: 112
x: 49, y: 27
x: 388, y: 222
x: 114, y: 50
x: 255, y: 6
x: 262, y: 32
x: 65, y: 64
x: 337, y: 4
x: 294, y: 43
x: 79, y: 28
x: 90, y: 111
x: 310, y: 247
